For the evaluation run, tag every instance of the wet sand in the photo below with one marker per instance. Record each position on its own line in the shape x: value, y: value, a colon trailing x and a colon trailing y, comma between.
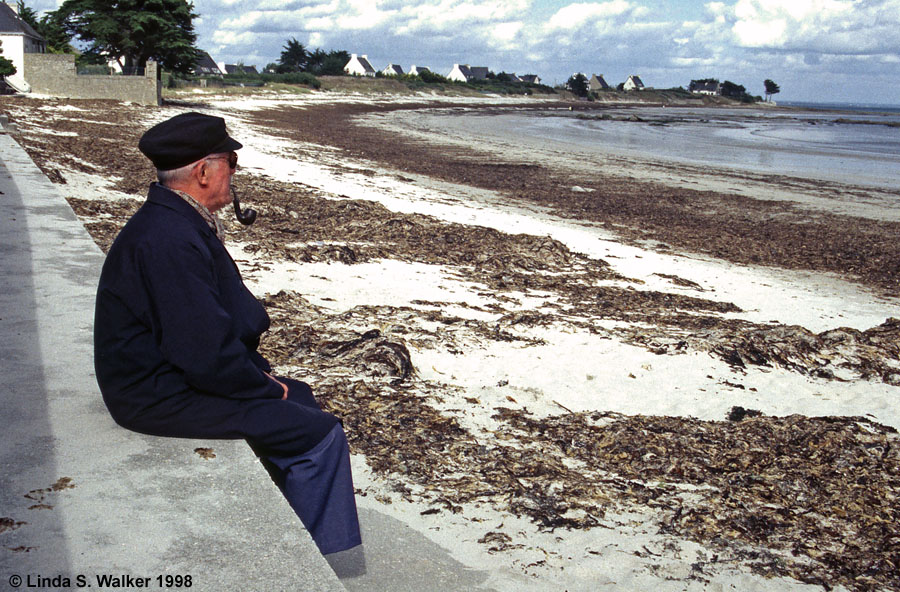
x: 723, y: 225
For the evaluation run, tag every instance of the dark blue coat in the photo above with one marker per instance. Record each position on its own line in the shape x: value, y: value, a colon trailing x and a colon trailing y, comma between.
x: 176, y: 335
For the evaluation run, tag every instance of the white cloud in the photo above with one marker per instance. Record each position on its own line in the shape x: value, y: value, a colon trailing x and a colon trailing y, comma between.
x: 819, y: 26
x: 505, y: 35
x: 588, y: 14
x: 230, y: 38
x: 456, y: 16
x: 362, y: 14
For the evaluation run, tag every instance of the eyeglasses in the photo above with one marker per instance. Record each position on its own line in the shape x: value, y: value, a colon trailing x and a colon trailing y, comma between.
x: 231, y: 158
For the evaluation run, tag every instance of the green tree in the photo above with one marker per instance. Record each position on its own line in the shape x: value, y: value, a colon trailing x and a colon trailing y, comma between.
x: 53, y: 29
x: 327, y: 63
x: 48, y: 27
x: 429, y: 77
x: 578, y: 85
x: 771, y: 89
x: 7, y: 68
x: 294, y: 57
x: 27, y: 14
x: 134, y: 31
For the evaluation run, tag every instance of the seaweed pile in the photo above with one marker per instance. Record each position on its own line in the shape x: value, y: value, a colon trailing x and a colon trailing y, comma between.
x: 815, y: 499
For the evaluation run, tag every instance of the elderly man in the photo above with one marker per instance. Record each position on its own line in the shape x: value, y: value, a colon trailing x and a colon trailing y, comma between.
x: 176, y: 335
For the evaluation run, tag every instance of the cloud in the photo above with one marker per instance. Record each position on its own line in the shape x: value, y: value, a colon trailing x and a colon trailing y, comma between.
x: 843, y: 27
x: 584, y: 19
x: 456, y: 17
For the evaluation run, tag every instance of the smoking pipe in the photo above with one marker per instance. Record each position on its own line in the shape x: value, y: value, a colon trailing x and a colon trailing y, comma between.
x: 248, y: 216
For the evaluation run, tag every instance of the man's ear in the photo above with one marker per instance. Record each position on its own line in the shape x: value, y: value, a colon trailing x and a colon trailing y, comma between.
x: 201, y: 172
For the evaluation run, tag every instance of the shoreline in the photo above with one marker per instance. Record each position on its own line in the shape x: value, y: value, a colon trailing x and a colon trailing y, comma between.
x: 724, y: 225
x: 502, y: 401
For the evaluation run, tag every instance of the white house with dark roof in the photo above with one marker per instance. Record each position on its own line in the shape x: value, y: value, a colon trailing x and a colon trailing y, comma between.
x: 634, y: 83
x: 238, y: 69
x: 532, y: 78
x: 597, y: 82
x: 359, y: 66
x: 415, y: 70
x: 392, y: 70
x: 707, y: 87
x: 18, y: 38
x: 206, y: 66
x: 467, y: 73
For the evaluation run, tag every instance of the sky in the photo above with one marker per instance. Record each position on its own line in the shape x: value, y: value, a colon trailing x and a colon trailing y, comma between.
x: 815, y: 50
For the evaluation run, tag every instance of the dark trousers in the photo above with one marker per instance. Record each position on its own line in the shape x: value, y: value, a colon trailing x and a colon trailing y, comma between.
x: 319, y: 487
x: 318, y: 483
x: 303, y: 448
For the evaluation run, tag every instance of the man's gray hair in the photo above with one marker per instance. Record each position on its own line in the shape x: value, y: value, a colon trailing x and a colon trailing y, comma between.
x: 174, y: 176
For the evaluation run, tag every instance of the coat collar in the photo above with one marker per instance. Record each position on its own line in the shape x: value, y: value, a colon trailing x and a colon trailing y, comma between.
x: 167, y: 198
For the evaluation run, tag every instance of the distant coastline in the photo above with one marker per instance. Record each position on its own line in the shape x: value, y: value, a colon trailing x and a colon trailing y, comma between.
x: 814, y: 145
x: 836, y: 106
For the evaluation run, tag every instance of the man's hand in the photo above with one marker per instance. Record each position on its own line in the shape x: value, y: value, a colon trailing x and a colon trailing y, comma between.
x: 283, y: 386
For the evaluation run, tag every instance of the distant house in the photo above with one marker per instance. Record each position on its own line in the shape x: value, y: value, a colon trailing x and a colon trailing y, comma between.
x: 240, y: 69
x: 634, y: 83
x: 532, y: 78
x: 18, y: 38
x: 467, y: 73
x: 393, y: 70
x: 598, y: 83
x: 415, y: 70
x: 359, y: 66
x: 206, y: 66
x: 706, y: 87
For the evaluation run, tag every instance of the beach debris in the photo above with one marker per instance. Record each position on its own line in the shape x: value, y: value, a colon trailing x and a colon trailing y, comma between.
x: 205, y: 453
x: 7, y: 524
x: 373, y: 355
x: 738, y: 413
x: 678, y: 281
x: 40, y: 495
x: 839, y: 354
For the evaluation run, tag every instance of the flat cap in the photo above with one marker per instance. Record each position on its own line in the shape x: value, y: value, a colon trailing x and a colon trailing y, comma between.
x: 184, y: 139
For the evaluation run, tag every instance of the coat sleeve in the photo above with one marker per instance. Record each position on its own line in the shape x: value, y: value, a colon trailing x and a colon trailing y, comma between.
x: 194, y: 329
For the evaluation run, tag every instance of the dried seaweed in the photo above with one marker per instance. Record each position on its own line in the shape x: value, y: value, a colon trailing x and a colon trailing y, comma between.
x: 810, y: 498
x: 7, y: 524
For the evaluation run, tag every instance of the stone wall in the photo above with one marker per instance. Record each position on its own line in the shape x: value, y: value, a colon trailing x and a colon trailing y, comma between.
x: 55, y: 75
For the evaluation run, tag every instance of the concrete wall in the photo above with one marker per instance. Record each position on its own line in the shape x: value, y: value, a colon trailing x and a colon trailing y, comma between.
x: 55, y: 75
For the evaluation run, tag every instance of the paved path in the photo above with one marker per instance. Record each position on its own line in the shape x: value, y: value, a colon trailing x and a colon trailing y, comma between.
x: 80, y: 496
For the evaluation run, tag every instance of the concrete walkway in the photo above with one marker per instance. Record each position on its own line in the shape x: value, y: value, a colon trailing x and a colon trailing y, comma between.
x: 82, y: 497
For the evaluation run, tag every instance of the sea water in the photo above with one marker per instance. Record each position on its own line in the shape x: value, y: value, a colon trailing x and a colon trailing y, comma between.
x: 855, y: 147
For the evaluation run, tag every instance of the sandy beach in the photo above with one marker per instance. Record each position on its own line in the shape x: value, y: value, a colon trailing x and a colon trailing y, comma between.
x: 569, y: 371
